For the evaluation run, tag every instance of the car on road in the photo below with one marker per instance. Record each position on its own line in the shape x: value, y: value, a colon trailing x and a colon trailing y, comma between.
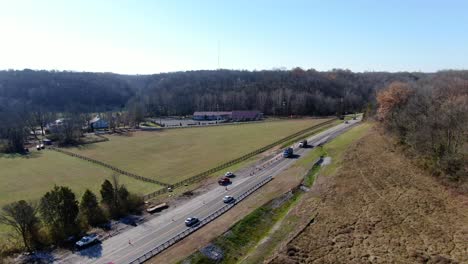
x: 229, y: 174
x: 191, y: 221
x: 228, y: 199
x: 87, y: 241
x: 224, y: 181
x: 288, y: 152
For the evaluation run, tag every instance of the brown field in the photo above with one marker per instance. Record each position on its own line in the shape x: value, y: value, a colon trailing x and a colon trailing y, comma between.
x: 380, y: 208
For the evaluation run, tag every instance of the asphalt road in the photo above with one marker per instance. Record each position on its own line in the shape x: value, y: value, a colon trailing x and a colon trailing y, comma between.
x: 135, y: 242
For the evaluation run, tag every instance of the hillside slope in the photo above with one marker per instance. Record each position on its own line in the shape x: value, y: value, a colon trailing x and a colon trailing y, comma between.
x: 380, y: 208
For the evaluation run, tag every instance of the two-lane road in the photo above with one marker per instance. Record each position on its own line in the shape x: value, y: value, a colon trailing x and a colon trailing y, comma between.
x: 135, y: 242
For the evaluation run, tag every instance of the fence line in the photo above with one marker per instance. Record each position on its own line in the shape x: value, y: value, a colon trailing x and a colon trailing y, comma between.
x: 120, y: 171
x: 196, y: 177
x: 204, y: 174
x: 224, y: 124
x: 171, y: 241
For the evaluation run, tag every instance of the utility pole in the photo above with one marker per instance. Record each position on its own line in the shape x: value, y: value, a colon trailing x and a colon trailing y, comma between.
x: 219, y: 54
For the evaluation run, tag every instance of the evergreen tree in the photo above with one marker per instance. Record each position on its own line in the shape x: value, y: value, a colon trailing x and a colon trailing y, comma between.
x: 59, y: 210
x: 90, y: 210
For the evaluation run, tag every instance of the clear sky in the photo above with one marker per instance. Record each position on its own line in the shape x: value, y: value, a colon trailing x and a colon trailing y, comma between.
x: 161, y: 36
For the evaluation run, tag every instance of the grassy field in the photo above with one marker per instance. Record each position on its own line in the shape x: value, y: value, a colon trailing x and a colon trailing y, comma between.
x: 29, y: 177
x: 176, y: 154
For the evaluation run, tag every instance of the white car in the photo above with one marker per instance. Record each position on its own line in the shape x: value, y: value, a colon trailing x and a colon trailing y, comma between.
x: 87, y: 240
x: 228, y: 199
x: 229, y: 174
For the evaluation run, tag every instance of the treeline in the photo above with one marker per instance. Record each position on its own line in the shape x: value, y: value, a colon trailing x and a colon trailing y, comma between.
x: 29, y: 100
x: 59, y: 215
x: 55, y: 91
x: 275, y: 92
x: 294, y: 92
x: 430, y: 116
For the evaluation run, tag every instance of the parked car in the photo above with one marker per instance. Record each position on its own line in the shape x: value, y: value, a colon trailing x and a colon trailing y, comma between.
x: 229, y: 174
x: 224, y: 181
x: 191, y: 221
x: 228, y: 199
x: 42, y: 146
x: 87, y: 241
x: 38, y: 147
x: 346, y: 122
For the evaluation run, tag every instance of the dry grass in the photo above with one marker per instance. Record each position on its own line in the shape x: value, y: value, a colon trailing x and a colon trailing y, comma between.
x: 380, y: 208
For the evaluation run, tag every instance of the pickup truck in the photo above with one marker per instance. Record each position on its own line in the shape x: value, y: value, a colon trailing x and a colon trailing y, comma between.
x: 87, y: 240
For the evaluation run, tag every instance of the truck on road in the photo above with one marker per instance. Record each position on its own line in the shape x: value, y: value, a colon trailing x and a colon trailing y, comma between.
x: 157, y: 208
x: 303, y: 144
x: 287, y: 153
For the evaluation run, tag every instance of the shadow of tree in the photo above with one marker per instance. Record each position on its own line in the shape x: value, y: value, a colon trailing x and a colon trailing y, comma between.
x: 94, y: 251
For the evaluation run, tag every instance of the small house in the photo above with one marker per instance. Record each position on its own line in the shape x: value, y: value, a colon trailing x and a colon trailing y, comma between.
x: 98, y: 123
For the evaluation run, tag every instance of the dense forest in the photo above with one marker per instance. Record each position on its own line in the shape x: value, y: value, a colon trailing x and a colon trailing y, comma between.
x: 275, y: 92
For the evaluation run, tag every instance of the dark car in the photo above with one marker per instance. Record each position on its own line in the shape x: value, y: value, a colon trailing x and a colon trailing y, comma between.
x: 224, y: 181
x: 191, y: 221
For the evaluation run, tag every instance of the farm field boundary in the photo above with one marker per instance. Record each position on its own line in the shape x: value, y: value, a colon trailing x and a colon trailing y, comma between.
x: 120, y: 171
x: 205, y: 174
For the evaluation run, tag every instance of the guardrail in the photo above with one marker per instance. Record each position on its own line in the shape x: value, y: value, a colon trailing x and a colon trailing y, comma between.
x: 158, y: 249
x: 126, y: 173
x: 204, y: 174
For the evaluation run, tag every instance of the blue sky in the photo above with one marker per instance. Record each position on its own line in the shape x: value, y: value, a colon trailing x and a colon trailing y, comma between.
x: 161, y: 36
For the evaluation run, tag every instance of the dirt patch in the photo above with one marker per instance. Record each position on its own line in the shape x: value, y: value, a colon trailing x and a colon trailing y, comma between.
x: 380, y: 208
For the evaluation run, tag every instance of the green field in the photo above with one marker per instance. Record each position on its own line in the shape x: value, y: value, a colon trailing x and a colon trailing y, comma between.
x: 29, y: 177
x: 176, y: 154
